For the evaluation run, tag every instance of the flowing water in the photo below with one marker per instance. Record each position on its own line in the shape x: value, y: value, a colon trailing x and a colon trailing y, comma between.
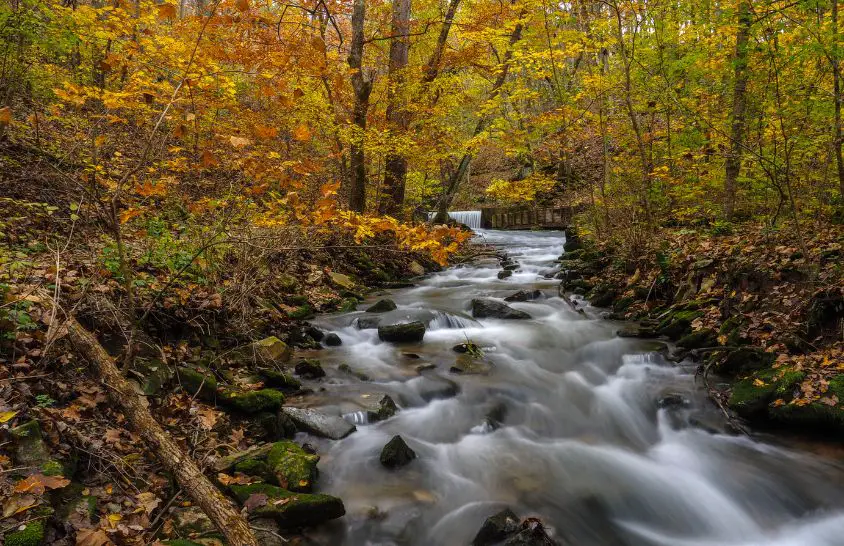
x: 583, y: 441
x: 469, y: 218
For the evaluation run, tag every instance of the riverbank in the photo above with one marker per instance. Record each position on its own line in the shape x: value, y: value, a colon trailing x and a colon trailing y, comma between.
x: 760, y: 309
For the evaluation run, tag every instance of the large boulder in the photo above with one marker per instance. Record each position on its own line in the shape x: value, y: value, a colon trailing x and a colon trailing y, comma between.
x: 292, y: 467
x: 524, y: 295
x: 397, y: 453
x: 489, y: 308
x: 382, y: 306
x: 342, y: 281
x: 402, y: 333
x: 333, y: 340
x: 272, y: 349
x: 287, y: 508
x: 384, y: 409
x: 318, y: 423
x: 368, y: 323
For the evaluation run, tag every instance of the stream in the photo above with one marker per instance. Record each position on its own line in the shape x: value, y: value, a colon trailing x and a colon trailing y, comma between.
x: 599, y: 436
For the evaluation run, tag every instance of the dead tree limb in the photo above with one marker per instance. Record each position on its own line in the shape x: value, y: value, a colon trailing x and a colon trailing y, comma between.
x: 219, y: 508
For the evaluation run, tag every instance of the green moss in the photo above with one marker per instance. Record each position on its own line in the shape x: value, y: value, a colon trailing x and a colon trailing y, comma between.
x: 254, y: 467
x: 698, y: 339
x: 301, y: 313
x: 301, y: 510
x: 731, y: 329
x: 253, y: 401
x: 52, y: 468
x: 30, y: 449
x: 32, y: 535
x: 678, y: 323
x: 293, y: 467
x: 348, y: 305
x: 746, y: 360
x: 623, y: 304
x: 193, y: 382
x: 278, y: 379
x: 181, y: 542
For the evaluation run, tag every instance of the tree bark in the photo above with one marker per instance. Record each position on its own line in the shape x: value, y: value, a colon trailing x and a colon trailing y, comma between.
x: 836, y: 87
x: 398, y: 118
x: 222, y: 511
x: 460, y: 173
x: 432, y: 67
x: 362, y: 88
x: 732, y: 165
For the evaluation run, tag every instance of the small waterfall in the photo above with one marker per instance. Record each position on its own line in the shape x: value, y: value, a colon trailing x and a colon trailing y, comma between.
x: 471, y: 218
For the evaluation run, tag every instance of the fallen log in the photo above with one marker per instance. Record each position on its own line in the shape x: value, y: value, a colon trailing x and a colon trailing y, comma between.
x: 220, y: 509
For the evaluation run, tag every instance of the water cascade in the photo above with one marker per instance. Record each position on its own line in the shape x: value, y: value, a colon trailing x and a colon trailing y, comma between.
x: 471, y: 218
x: 599, y: 436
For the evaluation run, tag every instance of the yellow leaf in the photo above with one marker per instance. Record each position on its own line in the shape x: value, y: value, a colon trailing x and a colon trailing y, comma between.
x: 6, y: 416
x: 113, y: 519
x: 167, y: 11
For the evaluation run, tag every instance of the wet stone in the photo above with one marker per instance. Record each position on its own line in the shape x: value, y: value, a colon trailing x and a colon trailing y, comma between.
x: 368, y: 323
x: 396, y: 453
x: 497, y: 528
x: 332, y: 340
x: 382, y: 306
x: 318, y: 423
x: 310, y: 368
x: 524, y: 295
x: 402, y: 333
x: 488, y: 308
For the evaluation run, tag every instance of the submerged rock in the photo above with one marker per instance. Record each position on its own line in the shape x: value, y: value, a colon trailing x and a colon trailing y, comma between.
x: 505, y: 274
x: 318, y: 423
x: 488, y: 308
x: 382, y: 306
x: 287, y: 508
x: 531, y: 533
x: 333, y: 340
x: 402, y: 333
x: 524, y: 295
x: 497, y: 528
x: 469, y: 364
x: 396, y: 453
x: 310, y: 368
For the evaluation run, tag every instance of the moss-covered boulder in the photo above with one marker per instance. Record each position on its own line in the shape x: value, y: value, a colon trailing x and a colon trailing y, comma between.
x: 31, y: 452
x: 342, y: 281
x: 677, y: 324
x: 279, y: 379
x: 396, y: 453
x: 252, y: 401
x: 201, y: 384
x: 291, y: 509
x: 602, y: 296
x: 272, y: 349
x: 152, y: 374
x: 745, y: 360
x: 309, y: 368
x: 402, y: 333
x: 819, y: 415
x: 382, y: 306
x: 699, y: 339
x: 292, y: 467
x: 347, y: 305
x: 28, y: 534
x: 751, y: 396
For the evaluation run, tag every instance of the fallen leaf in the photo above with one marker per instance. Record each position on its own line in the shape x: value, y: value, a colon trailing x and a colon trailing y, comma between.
x: 5, y: 115
x: 6, y: 416
x: 18, y: 503
x: 239, y: 142
x: 92, y: 537
x: 148, y: 501
x: 207, y: 418
x: 255, y: 500
x: 38, y: 483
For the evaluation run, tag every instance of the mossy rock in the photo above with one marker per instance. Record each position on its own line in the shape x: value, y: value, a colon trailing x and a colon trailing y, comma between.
x: 699, y: 339
x: 201, y: 384
x: 751, y: 396
x: 255, y: 467
x: 302, y: 510
x: 279, y: 379
x: 602, y: 296
x: 303, y: 312
x: 252, y: 401
x: 382, y: 306
x: 271, y: 349
x: 677, y: 324
x: 152, y: 375
x: 292, y: 467
x: 816, y: 415
x: 309, y: 368
x: 731, y: 330
x: 30, y: 449
x: 623, y: 304
x: 181, y: 542
x: 348, y: 305
x: 286, y: 282
x: 746, y: 360
x: 581, y: 284
x: 342, y: 281
x: 33, y: 534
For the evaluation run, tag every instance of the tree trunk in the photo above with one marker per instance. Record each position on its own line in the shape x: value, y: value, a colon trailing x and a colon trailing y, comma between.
x: 732, y: 165
x: 836, y: 86
x: 454, y: 180
x: 222, y: 511
x: 362, y: 88
x: 432, y: 67
x: 398, y: 119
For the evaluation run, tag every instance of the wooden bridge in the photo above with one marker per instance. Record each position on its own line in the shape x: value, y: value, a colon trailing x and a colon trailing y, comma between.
x: 525, y: 217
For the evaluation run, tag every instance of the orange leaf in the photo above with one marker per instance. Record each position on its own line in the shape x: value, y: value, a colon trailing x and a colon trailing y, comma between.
x: 302, y: 132
x: 38, y: 483
x: 208, y: 159
x: 5, y: 115
x: 242, y: 5
x: 262, y: 131
x: 92, y: 537
x: 167, y: 11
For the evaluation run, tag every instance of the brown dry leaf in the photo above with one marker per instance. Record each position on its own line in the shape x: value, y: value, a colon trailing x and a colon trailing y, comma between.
x: 237, y: 479
x: 239, y: 142
x: 112, y: 436
x: 207, y: 418
x: 148, y: 501
x: 262, y: 131
x: 242, y: 5
x: 237, y: 436
x: 18, y: 503
x: 255, y: 500
x: 282, y: 502
x: 38, y: 483
x: 208, y: 159
x: 92, y: 537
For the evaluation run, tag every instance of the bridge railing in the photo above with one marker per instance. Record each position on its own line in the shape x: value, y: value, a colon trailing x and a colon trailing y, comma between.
x: 526, y: 217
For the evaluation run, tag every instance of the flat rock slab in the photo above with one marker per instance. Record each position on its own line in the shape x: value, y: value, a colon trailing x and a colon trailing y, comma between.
x: 488, y: 308
x: 318, y: 423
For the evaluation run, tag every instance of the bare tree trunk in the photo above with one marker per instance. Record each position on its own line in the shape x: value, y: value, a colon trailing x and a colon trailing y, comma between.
x: 222, y: 511
x: 362, y: 87
x: 836, y: 86
x: 398, y: 119
x: 432, y: 67
x: 460, y: 173
x: 732, y: 165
